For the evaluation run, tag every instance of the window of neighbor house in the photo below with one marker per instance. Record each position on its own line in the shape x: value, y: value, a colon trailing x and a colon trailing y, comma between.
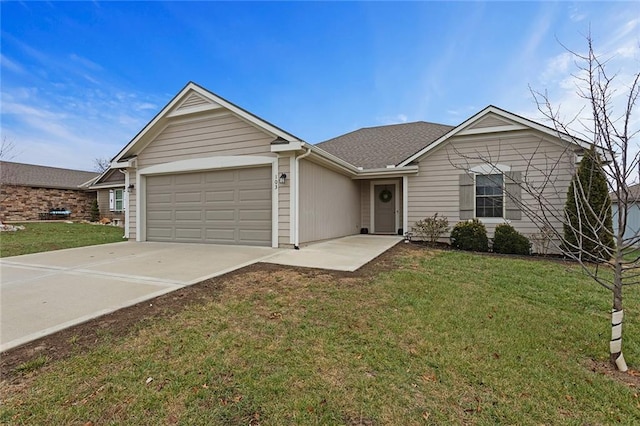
x: 489, y: 195
x: 116, y: 200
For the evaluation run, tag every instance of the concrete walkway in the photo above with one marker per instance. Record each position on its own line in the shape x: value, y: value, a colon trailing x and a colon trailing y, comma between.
x: 342, y: 254
x: 43, y: 293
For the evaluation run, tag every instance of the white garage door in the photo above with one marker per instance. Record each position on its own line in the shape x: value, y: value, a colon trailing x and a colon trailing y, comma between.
x: 219, y: 207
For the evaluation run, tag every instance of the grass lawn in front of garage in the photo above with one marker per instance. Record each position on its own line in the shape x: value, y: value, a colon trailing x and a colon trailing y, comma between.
x: 48, y: 236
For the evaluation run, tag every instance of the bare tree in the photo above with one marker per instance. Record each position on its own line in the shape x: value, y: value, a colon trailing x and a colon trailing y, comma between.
x: 609, y: 132
x: 100, y: 164
x: 7, y: 149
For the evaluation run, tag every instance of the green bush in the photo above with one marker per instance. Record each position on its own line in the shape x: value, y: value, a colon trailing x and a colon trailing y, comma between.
x: 470, y: 235
x: 95, y: 211
x: 588, y: 231
x: 431, y: 228
x: 507, y: 240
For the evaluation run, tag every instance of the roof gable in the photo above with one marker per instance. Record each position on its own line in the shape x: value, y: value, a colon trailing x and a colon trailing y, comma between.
x: 494, y: 119
x: 42, y: 176
x: 194, y: 99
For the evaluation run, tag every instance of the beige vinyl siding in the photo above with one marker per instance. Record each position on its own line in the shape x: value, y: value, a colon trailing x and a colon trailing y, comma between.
x: 491, y: 120
x: 103, y: 205
x: 284, y: 202
x: 113, y: 176
x: 435, y: 188
x: 212, y: 134
x: 329, y: 203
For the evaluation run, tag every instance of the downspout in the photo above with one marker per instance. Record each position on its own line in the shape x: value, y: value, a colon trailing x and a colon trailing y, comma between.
x: 296, y: 199
x: 126, y: 202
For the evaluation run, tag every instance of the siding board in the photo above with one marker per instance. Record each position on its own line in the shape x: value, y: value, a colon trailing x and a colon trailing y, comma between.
x: 435, y: 188
x: 329, y: 203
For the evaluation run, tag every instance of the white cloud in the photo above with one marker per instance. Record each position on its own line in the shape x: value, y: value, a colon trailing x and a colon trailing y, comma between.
x: 10, y: 65
x: 393, y: 119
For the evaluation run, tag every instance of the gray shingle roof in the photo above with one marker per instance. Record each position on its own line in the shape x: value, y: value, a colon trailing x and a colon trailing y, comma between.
x: 381, y: 146
x: 42, y: 176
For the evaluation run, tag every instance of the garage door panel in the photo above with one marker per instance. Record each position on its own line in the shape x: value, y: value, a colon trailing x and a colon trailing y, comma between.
x: 219, y: 234
x: 220, y: 176
x: 159, y: 215
x: 254, y: 215
x: 254, y: 235
x: 159, y: 232
x: 189, y: 215
x: 188, y: 197
x: 159, y: 197
x: 158, y: 181
x: 214, y: 196
x: 253, y: 195
x: 217, y: 215
x: 191, y: 234
x: 188, y: 179
x: 222, y: 207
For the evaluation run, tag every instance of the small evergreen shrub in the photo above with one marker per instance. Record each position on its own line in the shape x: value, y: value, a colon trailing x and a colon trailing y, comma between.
x: 95, y: 211
x: 507, y: 240
x: 431, y: 228
x: 470, y: 235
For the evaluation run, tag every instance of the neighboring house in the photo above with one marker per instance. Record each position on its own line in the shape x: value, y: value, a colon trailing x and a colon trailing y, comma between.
x: 111, y: 195
x: 633, y: 213
x: 205, y: 170
x: 30, y: 192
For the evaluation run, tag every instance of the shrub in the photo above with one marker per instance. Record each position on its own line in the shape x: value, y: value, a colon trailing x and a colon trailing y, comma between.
x: 470, y: 235
x: 507, y: 240
x: 588, y: 231
x: 431, y: 228
x: 95, y: 211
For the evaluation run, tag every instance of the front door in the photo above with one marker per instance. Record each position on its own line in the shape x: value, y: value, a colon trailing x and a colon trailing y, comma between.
x: 385, y: 209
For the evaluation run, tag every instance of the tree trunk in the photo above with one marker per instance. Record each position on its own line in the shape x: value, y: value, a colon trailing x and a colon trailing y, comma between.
x: 617, y: 315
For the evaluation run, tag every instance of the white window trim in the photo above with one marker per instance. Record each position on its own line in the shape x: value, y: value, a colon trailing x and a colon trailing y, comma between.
x: 115, y: 200
x: 491, y: 169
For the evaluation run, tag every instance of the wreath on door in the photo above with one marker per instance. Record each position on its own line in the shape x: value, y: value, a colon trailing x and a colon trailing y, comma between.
x: 385, y: 195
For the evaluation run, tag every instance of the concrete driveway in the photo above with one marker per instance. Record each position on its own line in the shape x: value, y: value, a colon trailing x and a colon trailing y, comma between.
x: 43, y: 293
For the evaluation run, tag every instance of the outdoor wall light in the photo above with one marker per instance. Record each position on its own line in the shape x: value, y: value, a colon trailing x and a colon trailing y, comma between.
x: 130, y: 187
x: 283, y: 178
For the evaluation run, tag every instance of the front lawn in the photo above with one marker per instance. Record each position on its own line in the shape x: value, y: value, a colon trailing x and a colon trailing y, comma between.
x: 47, y: 236
x: 437, y: 338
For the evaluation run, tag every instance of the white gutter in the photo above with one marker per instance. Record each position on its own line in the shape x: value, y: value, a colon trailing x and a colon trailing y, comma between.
x: 296, y: 199
x: 126, y: 201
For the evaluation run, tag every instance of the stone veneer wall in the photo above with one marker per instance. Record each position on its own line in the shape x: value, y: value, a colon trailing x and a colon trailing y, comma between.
x: 18, y: 203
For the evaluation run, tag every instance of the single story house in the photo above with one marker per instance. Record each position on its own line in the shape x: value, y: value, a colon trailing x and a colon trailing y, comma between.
x: 111, y: 195
x: 31, y: 192
x: 205, y: 170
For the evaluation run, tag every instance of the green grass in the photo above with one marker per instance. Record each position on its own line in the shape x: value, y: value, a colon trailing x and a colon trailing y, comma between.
x: 445, y: 338
x: 39, y: 237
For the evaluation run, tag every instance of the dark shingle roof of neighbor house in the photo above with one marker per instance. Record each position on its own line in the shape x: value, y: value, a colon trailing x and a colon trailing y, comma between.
x: 382, y: 146
x: 634, y: 194
x: 42, y: 176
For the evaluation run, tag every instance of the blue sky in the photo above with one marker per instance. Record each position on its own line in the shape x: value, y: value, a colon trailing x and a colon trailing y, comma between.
x: 80, y: 79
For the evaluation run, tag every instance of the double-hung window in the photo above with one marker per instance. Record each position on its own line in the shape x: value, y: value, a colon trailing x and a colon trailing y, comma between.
x: 116, y: 200
x: 489, y: 195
